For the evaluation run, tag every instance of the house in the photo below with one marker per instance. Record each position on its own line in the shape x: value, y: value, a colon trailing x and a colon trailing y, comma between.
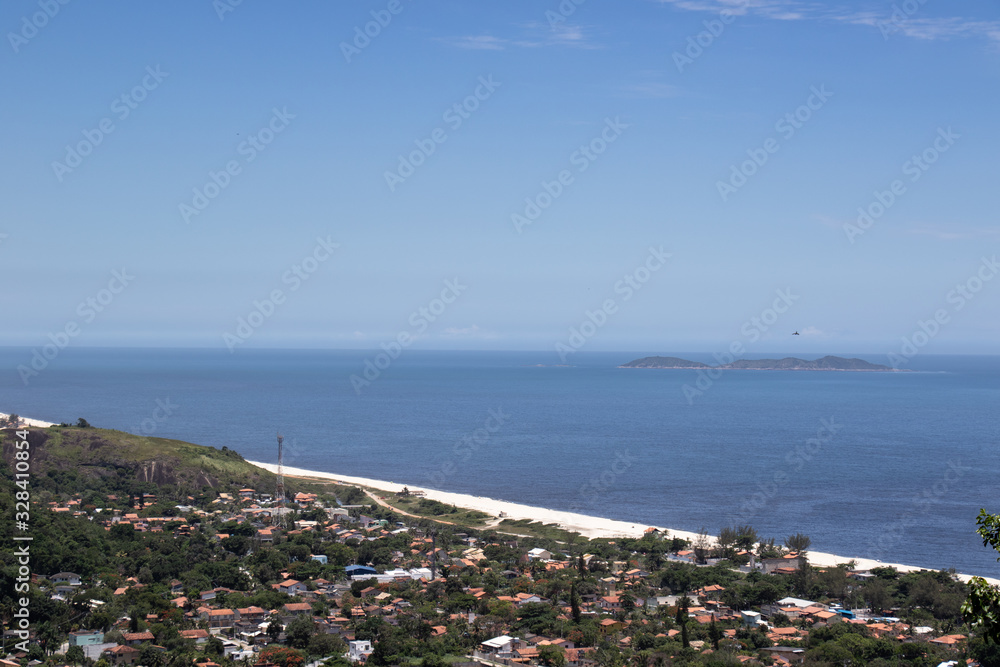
x: 800, y: 603
x: 948, y: 640
x: 297, y: 609
x: 610, y: 603
x: 501, y: 646
x: 355, y: 570
x: 539, y: 554
x: 359, y: 650
x: 86, y: 638
x: 176, y: 587
x: 788, y: 653
x: 219, y: 618
x: 826, y: 617
x: 199, y: 636
x: 138, y: 638
x: 610, y: 625
x: 68, y: 578
x: 121, y: 655
x: 291, y: 587
x: 252, y: 614
x: 784, y: 565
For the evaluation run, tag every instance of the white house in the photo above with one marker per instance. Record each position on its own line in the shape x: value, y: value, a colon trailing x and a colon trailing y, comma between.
x: 359, y: 650
x: 68, y: 578
x: 501, y: 645
x: 539, y: 554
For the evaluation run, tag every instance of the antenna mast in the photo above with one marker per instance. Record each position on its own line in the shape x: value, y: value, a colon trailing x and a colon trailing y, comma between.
x: 280, y: 490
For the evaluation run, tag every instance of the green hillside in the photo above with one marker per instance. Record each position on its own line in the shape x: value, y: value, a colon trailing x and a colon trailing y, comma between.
x: 72, y: 459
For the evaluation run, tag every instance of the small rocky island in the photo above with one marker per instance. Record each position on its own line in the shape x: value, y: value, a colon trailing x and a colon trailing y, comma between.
x: 827, y: 363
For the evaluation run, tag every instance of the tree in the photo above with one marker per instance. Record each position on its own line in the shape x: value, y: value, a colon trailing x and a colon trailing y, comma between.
x: 274, y: 629
x: 701, y: 545
x: 746, y: 537
x: 682, y: 620
x: 75, y: 655
x: 282, y: 656
x: 82, y: 423
x: 714, y: 634
x: 574, y: 601
x: 727, y: 542
x: 982, y: 608
x: 299, y: 630
x: 214, y: 646
x: 150, y: 656
x: 552, y: 655
x: 322, y: 644
x: 875, y: 594
x: 799, y: 543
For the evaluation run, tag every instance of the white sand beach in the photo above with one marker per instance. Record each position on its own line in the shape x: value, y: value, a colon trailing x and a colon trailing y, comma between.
x: 30, y: 422
x: 588, y: 526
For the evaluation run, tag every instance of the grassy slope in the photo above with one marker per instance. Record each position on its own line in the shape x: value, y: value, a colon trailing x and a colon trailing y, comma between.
x: 100, y: 452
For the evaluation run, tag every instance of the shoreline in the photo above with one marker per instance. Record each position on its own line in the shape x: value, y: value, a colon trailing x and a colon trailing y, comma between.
x: 30, y: 422
x: 588, y: 526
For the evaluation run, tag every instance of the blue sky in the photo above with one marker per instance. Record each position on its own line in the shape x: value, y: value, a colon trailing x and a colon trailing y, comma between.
x: 652, y: 122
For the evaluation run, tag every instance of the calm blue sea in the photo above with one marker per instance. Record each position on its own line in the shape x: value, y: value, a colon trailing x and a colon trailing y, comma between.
x: 892, y: 466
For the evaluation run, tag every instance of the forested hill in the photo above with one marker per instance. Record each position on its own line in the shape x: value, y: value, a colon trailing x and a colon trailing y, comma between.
x: 99, y: 461
x: 827, y: 363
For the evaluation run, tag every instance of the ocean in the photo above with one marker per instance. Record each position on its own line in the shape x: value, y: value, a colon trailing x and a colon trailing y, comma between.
x: 893, y: 466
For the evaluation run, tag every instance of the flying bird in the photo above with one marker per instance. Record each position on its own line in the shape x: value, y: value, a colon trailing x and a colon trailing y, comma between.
x: 796, y: 334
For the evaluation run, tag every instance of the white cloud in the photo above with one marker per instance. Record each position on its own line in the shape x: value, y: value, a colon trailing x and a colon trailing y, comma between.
x: 914, y: 26
x: 467, y: 331
x: 533, y: 35
x: 479, y: 42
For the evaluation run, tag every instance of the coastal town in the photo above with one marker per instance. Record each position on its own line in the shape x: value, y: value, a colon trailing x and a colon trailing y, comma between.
x: 343, y: 575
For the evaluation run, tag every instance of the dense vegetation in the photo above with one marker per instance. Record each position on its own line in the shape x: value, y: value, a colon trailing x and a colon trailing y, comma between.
x: 667, y: 634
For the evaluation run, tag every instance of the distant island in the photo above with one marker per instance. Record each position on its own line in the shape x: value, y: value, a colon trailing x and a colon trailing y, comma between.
x: 827, y: 363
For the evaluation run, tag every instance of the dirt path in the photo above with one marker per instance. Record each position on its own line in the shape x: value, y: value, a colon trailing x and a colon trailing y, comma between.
x: 378, y: 499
